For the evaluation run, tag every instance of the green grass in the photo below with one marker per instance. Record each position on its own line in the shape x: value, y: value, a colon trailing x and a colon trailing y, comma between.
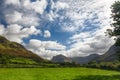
x: 57, y: 74
x: 22, y: 61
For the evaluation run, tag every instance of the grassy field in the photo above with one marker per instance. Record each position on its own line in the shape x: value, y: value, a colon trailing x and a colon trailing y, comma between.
x: 57, y: 74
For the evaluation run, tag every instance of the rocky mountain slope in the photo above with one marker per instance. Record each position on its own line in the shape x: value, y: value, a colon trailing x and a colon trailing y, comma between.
x: 111, y: 55
x: 61, y: 59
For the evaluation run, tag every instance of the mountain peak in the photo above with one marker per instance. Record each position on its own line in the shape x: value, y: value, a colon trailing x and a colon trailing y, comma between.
x: 61, y: 59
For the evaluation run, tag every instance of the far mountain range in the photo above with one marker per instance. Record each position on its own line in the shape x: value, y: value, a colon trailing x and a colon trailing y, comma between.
x: 109, y: 56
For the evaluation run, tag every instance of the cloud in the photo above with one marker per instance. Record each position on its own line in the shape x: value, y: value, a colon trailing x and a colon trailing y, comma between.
x: 84, y: 14
x: 20, y: 18
x: 15, y: 32
x: 38, y: 6
x: 87, y: 43
x: 2, y: 29
x: 61, y: 5
x: 79, y: 36
x: 46, y: 49
x: 30, y: 20
x: 13, y: 17
x: 47, y: 34
x: 13, y: 2
x: 56, y: 9
x: 48, y: 45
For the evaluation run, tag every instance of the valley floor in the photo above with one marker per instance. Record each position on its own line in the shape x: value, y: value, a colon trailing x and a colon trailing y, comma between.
x: 57, y: 74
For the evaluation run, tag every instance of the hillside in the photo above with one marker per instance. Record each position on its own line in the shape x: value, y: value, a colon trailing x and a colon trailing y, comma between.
x: 85, y: 59
x: 111, y: 55
x: 12, y: 52
x: 61, y: 59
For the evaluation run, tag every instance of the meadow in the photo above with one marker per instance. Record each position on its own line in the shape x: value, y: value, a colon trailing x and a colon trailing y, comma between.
x: 57, y: 74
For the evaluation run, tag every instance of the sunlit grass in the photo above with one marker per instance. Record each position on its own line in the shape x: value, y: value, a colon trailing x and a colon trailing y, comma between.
x: 57, y: 74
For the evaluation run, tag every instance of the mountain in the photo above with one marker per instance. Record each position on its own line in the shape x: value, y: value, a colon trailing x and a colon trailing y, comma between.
x: 78, y: 60
x: 110, y: 55
x: 85, y: 59
x: 12, y: 52
x: 61, y: 59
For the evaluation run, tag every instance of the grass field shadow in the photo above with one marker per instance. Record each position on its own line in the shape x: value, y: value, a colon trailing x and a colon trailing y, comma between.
x: 98, y: 77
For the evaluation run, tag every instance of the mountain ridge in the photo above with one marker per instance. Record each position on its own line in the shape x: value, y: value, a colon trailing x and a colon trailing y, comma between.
x: 14, y: 52
x: 109, y: 56
x: 77, y: 60
x: 60, y: 59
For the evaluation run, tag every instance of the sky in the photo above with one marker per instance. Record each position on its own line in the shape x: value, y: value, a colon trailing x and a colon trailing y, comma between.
x: 51, y: 27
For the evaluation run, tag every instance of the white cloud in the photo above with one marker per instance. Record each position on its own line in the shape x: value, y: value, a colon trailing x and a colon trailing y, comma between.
x: 61, y: 5
x: 47, y: 34
x: 25, y: 18
x: 29, y: 20
x: 21, y: 18
x: 15, y: 32
x: 93, y: 12
x: 87, y: 43
x: 79, y: 36
x: 53, y: 45
x: 13, y: 17
x: 46, y: 49
x: 56, y: 6
x: 48, y: 45
x: 2, y: 29
x: 38, y: 6
x: 13, y: 2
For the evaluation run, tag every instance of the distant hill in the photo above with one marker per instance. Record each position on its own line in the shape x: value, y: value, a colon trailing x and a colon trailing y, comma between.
x: 110, y: 55
x: 12, y: 52
x: 78, y: 60
x: 85, y: 59
x: 61, y: 59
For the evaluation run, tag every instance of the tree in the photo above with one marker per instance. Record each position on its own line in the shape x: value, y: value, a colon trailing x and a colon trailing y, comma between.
x: 116, y: 22
x: 4, y: 59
